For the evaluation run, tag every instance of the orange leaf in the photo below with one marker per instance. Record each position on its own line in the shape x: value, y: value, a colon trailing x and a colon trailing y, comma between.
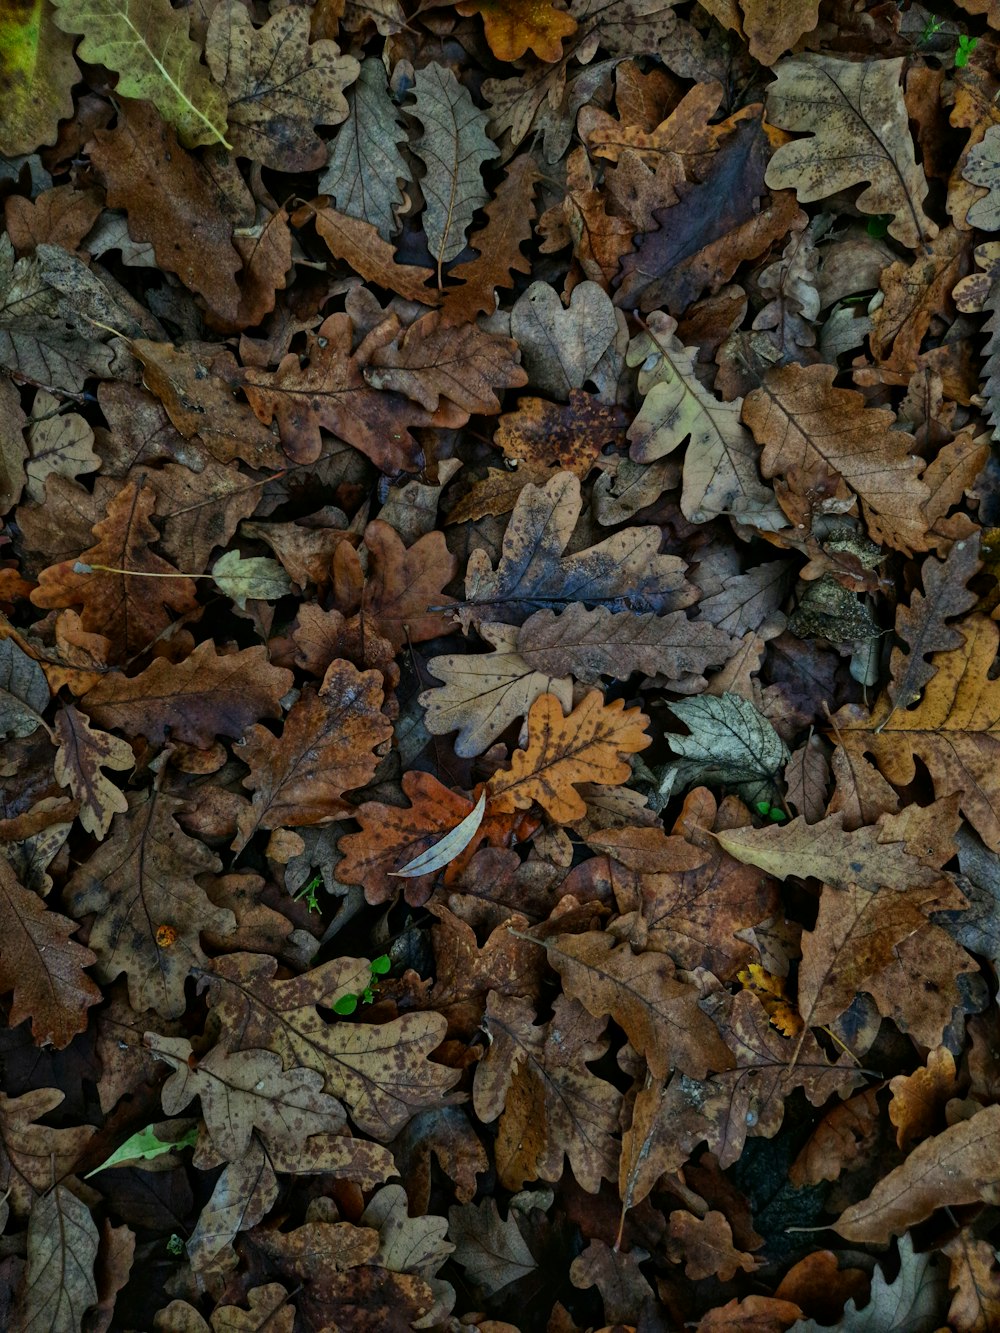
x: 587, y: 746
x: 515, y: 26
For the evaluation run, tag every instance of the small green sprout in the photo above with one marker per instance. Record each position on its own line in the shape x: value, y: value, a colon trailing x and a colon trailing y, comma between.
x: 878, y: 225
x: 308, y: 891
x: 175, y: 1245
x: 348, y: 1003
x: 965, y: 48
x: 932, y: 27
x: 772, y: 812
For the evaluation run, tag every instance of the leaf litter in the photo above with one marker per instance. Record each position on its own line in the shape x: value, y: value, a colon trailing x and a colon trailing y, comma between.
x: 498, y: 653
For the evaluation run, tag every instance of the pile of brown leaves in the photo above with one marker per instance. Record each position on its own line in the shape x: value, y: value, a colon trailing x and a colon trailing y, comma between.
x: 498, y: 665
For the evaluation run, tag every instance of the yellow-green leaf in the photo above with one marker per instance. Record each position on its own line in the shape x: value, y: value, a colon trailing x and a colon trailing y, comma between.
x: 37, y: 73
x: 147, y: 44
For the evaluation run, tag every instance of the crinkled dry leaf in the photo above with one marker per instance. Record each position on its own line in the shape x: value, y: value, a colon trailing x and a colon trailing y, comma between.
x: 382, y: 1072
x: 42, y: 965
x: 58, y: 1286
x: 589, y: 745
x: 535, y: 1078
x: 721, y: 465
x: 150, y: 908
x: 279, y: 86
x: 838, y: 102
x: 146, y: 43
x: 327, y: 746
x: 453, y: 148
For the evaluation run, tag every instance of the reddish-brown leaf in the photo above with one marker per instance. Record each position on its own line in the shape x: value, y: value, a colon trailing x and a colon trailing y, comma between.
x: 131, y: 611
x: 42, y: 965
x: 330, y: 743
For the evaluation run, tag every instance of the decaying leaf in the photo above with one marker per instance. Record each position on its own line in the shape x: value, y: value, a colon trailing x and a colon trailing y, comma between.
x: 840, y: 102
x: 588, y: 746
x: 146, y: 43
x: 499, y: 665
x: 453, y: 148
x: 279, y: 85
x: 721, y: 464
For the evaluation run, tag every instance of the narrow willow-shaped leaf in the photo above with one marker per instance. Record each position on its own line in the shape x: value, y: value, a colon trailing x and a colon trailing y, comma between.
x: 453, y: 148
x: 446, y: 848
x: 146, y: 43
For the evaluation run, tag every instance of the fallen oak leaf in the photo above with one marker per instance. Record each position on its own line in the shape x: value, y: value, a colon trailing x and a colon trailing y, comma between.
x: 382, y: 1072
x: 130, y: 611
x: 589, y: 745
x: 588, y: 644
x: 330, y: 743
x: 38, y: 72
x: 447, y: 848
x: 484, y: 692
x: 208, y: 694
x: 550, y: 1105
x: 510, y: 214
x: 622, y: 572
x: 659, y: 1013
x: 840, y: 102
x: 365, y: 165
x: 245, y: 1092
x: 58, y: 1285
x: 84, y: 752
x: 391, y: 836
x: 358, y: 243
x: 241, y: 577
x: 721, y: 462
x: 431, y: 360
x: 196, y: 389
x: 324, y: 387
x: 453, y: 148
x: 515, y: 26
x: 150, y: 910
x: 279, y: 85
x: 898, y: 852
x: 954, y: 730
x: 804, y: 423
x: 42, y: 965
x: 957, y: 1166
x: 146, y: 43
x: 172, y: 200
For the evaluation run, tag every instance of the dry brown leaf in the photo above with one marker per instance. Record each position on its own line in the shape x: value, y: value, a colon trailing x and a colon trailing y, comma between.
x: 804, y: 423
x: 84, y: 752
x: 841, y: 102
x: 483, y: 693
x: 535, y: 1078
x: 953, y: 730
x: 383, y: 1073
x: 206, y: 695
x: 172, y: 201
x: 330, y: 743
x: 42, y: 965
x: 430, y: 360
x: 659, y: 1014
x: 705, y: 1246
x: 150, y: 910
x: 511, y: 213
x: 131, y: 611
x: 918, y: 1099
x: 590, y: 644
x: 959, y: 1165
x: 359, y: 245
x: 589, y: 745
